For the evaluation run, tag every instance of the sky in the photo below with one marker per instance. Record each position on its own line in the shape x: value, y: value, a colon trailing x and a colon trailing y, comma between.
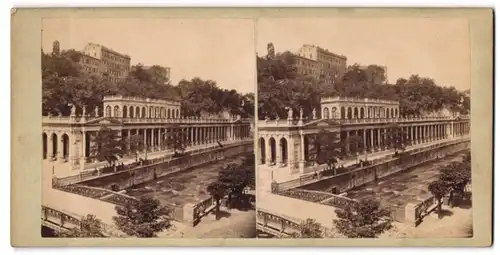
x: 430, y: 47
x: 222, y: 50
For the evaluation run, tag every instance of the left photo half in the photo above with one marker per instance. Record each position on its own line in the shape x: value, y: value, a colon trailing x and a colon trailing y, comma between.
x: 147, y: 128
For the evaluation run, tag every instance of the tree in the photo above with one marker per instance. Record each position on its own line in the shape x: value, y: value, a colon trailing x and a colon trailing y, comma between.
x: 328, y: 149
x: 136, y: 143
x: 90, y: 226
x: 355, y: 144
x: 177, y: 140
x: 396, y: 137
x: 217, y: 190
x: 438, y: 189
x: 235, y: 178
x: 270, y: 51
x: 142, y: 218
x: 310, y: 229
x: 56, y: 49
x: 366, y: 219
x: 456, y: 175
x: 108, y: 146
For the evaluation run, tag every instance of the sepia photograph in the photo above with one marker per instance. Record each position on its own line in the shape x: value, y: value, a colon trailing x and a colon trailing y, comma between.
x: 364, y: 128
x: 147, y: 128
x: 264, y: 127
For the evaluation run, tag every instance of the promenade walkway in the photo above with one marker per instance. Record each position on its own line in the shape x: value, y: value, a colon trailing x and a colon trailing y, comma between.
x: 75, y: 204
x: 62, y: 170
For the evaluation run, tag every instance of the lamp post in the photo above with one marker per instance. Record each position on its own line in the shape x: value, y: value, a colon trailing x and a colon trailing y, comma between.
x: 53, y: 165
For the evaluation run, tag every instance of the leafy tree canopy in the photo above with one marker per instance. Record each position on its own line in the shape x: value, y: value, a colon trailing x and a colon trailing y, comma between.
x: 143, y: 218
x: 65, y: 82
x: 108, y: 146
x: 281, y: 86
x: 366, y: 219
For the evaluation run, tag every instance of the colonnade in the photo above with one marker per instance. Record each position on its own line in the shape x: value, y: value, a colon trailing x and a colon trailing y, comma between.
x: 279, y: 149
x: 63, y: 146
x: 355, y: 112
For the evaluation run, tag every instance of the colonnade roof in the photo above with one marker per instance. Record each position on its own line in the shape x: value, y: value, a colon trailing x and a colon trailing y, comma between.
x: 139, y: 100
x: 354, y: 100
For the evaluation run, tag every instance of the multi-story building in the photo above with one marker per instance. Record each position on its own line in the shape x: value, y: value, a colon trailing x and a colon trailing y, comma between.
x: 329, y: 66
x: 101, y: 60
x: 306, y: 66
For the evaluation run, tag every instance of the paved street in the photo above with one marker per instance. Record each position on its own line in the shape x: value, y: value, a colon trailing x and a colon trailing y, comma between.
x: 236, y: 224
x: 455, y: 224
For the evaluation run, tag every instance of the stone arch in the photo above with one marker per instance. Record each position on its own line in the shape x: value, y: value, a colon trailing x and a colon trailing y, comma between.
x: 284, y: 150
x: 342, y: 112
x: 137, y: 112
x: 396, y: 113
x: 125, y: 111
x: 349, y: 112
x: 45, y: 145
x: 356, y: 112
x: 116, y: 111
x: 108, y: 111
x: 168, y: 113
x: 150, y: 112
x: 157, y: 112
x: 65, y: 144
x: 177, y: 113
x: 162, y: 112
x: 272, y: 146
x: 54, y: 144
x: 387, y: 113
x: 262, y: 150
x: 392, y: 112
x: 334, y: 112
x: 370, y: 112
x: 362, y: 113
x: 143, y: 114
x: 326, y: 113
x: 131, y: 111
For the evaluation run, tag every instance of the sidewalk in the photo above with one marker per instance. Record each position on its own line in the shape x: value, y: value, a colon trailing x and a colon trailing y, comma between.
x: 453, y: 225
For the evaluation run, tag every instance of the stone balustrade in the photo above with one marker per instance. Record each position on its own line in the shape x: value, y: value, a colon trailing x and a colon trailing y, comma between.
x: 64, y: 220
x: 357, y: 100
x: 288, y: 123
x: 71, y: 120
x: 141, y: 100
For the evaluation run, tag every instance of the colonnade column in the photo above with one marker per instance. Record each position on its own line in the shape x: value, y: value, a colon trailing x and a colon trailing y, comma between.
x: 60, y: 148
x: 412, y: 138
x: 347, y: 146
x: 278, y: 151
x: 371, y: 140
x: 379, y: 139
x: 364, y: 140
x: 269, y: 148
x: 302, y: 152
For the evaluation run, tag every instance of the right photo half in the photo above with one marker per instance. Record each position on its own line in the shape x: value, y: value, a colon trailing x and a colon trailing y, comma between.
x: 363, y: 128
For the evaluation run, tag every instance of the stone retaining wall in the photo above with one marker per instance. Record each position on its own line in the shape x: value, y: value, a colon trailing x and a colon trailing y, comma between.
x: 126, y: 179
x: 347, y: 181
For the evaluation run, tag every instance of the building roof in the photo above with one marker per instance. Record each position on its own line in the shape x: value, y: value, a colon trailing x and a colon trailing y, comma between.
x: 326, y: 51
x: 109, y: 49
